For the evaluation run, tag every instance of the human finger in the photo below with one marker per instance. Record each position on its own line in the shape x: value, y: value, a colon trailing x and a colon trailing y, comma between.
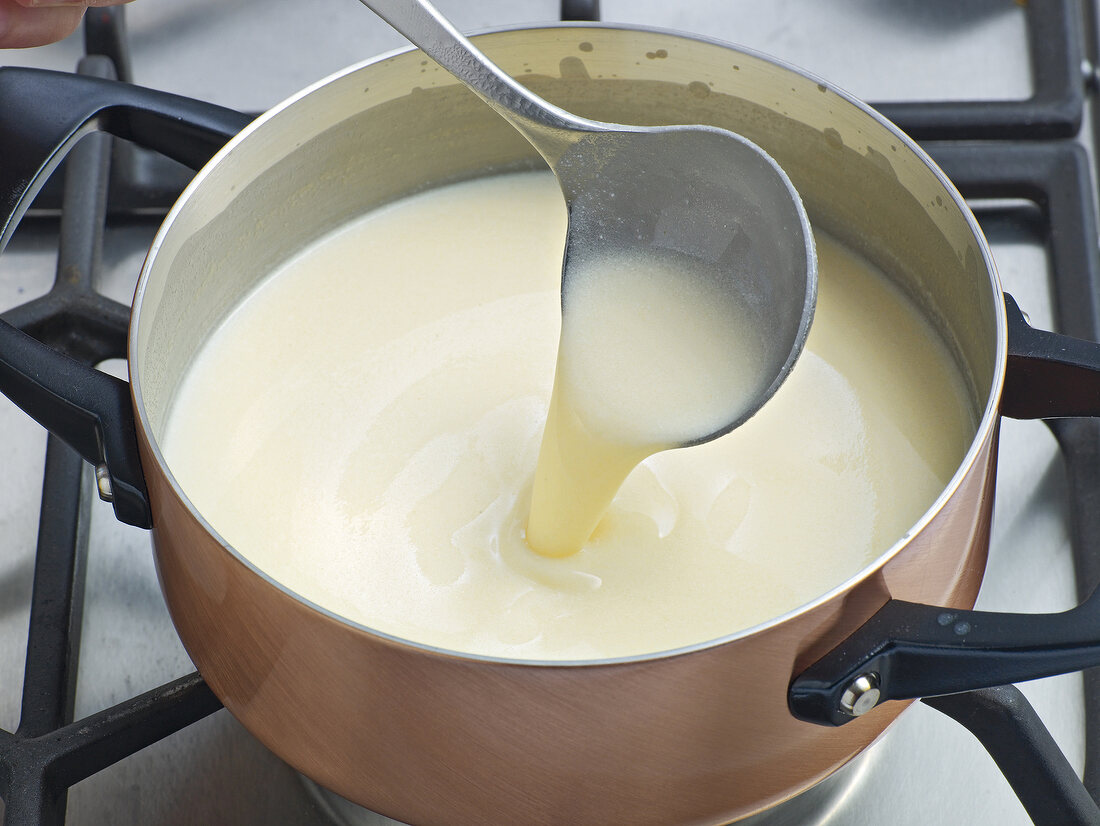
x: 22, y: 26
x: 42, y: 4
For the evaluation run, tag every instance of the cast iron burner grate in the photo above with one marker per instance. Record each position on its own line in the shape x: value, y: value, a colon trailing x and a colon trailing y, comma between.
x: 995, y: 149
x: 49, y: 752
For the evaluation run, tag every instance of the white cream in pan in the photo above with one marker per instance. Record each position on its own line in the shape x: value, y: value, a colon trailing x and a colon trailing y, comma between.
x: 365, y: 428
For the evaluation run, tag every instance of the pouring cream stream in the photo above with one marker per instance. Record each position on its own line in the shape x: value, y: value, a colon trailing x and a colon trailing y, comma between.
x: 648, y: 356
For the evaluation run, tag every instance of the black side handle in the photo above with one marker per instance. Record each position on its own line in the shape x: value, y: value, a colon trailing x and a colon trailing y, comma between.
x: 1049, y: 376
x: 42, y: 115
x: 906, y: 650
x: 88, y: 410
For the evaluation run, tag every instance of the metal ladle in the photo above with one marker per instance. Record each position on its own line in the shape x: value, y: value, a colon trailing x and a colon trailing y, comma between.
x: 700, y: 192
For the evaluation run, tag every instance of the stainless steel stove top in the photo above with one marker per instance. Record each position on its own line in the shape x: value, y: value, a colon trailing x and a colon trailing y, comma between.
x: 249, y: 54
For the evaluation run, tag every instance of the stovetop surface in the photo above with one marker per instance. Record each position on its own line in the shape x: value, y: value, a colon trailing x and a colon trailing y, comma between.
x: 250, y: 54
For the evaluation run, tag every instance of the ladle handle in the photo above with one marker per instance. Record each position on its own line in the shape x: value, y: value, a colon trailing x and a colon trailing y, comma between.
x: 550, y: 129
x: 907, y: 650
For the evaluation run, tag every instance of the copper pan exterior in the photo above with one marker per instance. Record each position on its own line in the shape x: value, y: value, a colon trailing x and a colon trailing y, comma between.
x: 696, y: 736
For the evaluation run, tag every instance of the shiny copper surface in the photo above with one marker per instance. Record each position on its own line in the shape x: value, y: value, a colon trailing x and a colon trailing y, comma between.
x: 701, y: 737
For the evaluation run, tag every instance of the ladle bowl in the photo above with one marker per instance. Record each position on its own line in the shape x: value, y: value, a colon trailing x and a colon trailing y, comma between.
x: 705, y: 196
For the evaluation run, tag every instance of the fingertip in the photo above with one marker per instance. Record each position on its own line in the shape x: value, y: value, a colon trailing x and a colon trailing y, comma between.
x: 21, y: 27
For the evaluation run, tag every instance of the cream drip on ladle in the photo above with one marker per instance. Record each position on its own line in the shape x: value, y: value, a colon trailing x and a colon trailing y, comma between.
x: 701, y: 220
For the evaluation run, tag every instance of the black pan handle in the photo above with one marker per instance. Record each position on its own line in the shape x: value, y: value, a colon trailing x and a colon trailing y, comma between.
x: 906, y: 650
x: 1049, y: 376
x: 42, y: 115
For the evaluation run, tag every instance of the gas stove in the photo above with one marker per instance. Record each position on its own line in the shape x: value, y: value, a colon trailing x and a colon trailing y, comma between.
x: 993, y: 89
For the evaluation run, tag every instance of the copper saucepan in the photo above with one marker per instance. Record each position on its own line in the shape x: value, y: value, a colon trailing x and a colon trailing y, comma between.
x: 701, y: 735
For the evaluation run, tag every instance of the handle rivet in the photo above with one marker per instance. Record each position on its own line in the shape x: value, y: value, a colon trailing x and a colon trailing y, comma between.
x: 103, y: 483
x: 861, y: 695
